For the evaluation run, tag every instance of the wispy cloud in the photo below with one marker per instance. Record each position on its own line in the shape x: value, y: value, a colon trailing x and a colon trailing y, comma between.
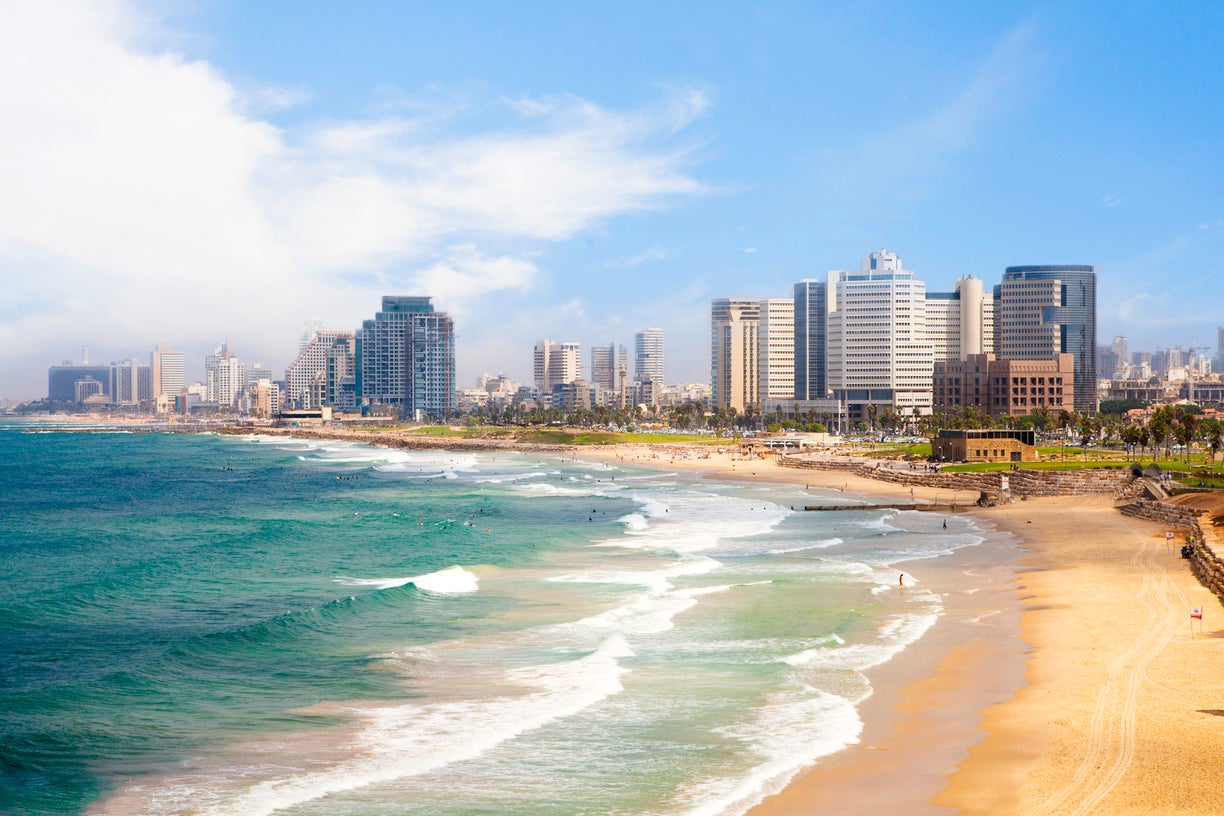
x: 904, y: 157
x: 139, y: 182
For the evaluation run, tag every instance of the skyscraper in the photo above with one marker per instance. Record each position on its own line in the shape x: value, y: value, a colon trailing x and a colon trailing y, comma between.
x: 811, y: 319
x: 879, y: 354
x: 169, y: 371
x: 407, y: 357
x: 734, y: 324
x: 1219, y: 361
x: 648, y: 355
x: 1043, y: 311
x: 776, y: 350
x: 556, y: 363
x: 609, y: 367
x: 224, y: 377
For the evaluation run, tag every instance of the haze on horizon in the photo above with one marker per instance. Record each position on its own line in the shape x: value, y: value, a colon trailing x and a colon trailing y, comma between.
x: 188, y: 173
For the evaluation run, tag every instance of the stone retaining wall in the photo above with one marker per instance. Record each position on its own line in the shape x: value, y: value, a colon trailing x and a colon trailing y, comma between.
x: 1206, y: 562
x: 1022, y: 483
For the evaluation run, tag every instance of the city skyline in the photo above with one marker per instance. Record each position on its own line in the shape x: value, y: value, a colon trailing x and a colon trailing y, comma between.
x: 183, y: 174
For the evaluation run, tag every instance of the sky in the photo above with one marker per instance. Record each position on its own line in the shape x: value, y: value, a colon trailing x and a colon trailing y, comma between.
x: 195, y: 172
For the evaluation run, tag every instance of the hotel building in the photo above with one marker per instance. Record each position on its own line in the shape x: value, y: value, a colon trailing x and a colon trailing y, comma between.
x: 406, y: 358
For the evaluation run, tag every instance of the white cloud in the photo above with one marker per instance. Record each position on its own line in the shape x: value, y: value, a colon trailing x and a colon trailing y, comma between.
x: 146, y: 200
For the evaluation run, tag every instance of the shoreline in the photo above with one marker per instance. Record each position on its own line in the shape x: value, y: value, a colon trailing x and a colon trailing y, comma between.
x: 1081, y: 689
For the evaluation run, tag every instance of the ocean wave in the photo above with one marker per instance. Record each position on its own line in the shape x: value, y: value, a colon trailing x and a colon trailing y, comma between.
x: 396, y: 742
x: 449, y: 581
x: 791, y: 730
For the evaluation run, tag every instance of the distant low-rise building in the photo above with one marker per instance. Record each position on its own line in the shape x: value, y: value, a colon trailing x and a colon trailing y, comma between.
x: 957, y: 445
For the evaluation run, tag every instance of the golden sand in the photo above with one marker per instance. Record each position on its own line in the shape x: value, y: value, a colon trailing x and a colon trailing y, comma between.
x: 1121, y: 710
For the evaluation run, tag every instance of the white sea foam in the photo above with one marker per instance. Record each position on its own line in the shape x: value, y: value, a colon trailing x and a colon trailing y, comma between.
x: 402, y: 741
x: 790, y: 731
x: 895, y: 635
x: 809, y: 545
x: 450, y: 581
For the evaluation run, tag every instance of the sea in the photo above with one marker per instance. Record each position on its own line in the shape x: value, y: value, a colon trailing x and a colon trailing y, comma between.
x: 252, y: 625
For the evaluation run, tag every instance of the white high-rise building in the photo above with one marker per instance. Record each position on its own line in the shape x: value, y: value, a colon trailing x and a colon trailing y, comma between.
x: 879, y: 353
x: 556, y: 363
x: 776, y: 350
x: 961, y: 322
x: 648, y: 355
x: 224, y: 377
x: 169, y: 371
x: 734, y: 335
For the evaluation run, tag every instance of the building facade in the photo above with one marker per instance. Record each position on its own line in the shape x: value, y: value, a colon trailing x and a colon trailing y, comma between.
x: 406, y: 358
x: 734, y: 331
x: 169, y: 370
x: 610, y: 367
x: 960, y: 322
x: 776, y: 350
x: 1005, y: 387
x: 306, y: 377
x: 648, y: 355
x: 555, y: 363
x: 224, y: 377
x: 878, y: 353
x: 811, y: 306
x: 1044, y: 311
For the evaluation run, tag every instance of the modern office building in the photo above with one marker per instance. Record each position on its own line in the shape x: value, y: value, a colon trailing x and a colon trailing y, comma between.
x: 406, y: 358
x: 811, y: 306
x: 555, y: 363
x: 610, y: 372
x: 961, y: 322
x: 734, y: 334
x: 62, y: 381
x: 648, y: 355
x: 1219, y: 360
x: 169, y: 371
x: 306, y: 376
x: 1044, y: 311
x: 879, y: 356
x: 776, y: 350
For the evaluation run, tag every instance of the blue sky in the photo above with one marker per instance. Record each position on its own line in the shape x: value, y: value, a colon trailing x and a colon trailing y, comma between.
x: 191, y: 172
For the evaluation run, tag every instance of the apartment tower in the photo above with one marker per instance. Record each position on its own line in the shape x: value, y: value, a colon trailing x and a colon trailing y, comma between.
x: 406, y: 357
x: 776, y: 350
x: 734, y: 325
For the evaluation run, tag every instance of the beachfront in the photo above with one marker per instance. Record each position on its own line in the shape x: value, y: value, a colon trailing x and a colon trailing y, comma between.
x: 1119, y: 707
x: 1093, y: 695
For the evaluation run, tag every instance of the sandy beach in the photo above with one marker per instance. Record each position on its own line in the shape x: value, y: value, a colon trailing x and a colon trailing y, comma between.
x: 1096, y: 697
x: 1065, y: 676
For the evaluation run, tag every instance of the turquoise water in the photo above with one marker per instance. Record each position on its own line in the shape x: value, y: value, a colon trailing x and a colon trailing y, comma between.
x: 219, y: 625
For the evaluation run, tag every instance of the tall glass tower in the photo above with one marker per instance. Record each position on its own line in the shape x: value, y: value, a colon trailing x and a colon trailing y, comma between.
x: 811, y: 317
x: 1042, y: 311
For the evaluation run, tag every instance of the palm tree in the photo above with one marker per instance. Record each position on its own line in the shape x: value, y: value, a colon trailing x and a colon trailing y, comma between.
x: 1213, y: 430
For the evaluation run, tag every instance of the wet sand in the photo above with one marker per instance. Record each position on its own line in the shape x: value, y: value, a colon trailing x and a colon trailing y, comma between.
x: 1085, y: 689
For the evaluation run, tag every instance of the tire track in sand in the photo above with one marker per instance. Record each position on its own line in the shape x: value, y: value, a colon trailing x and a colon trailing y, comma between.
x: 1111, y: 742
